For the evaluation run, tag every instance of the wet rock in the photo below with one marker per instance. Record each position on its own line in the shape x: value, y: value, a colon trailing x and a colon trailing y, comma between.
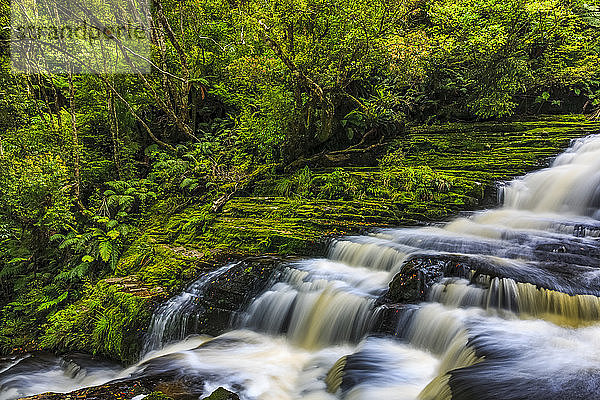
x: 231, y: 292
x: 157, y: 396
x: 178, y: 390
x: 392, y: 317
x: 509, y: 371
x: 564, y: 272
x: 419, y: 273
x: 125, y: 389
x: 222, y: 394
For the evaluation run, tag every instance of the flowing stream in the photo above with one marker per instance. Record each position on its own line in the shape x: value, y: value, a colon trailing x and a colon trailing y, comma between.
x: 506, y: 307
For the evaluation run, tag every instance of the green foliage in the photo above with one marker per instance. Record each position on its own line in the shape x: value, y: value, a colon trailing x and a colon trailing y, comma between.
x: 105, y: 322
x: 338, y: 184
x: 21, y: 317
x: 392, y: 181
x: 34, y: 192
x: 98, y: 247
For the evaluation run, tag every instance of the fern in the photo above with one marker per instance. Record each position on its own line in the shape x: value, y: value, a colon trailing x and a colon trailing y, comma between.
x: 186, y: 182
x: 105, y: 249
x: 76, y: 273
x: 47, y: 305
x: 70, y: 241
x: 126, y: 202
x: 56, y: 237
x: 101, y: 330
x: 10, y: 270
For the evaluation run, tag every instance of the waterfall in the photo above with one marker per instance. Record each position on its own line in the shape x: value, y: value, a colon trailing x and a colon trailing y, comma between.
x: 501, y: 304
x: 319, y: 303
x: 570, y: 186
x: 175, y: 319
x: 42, y: 372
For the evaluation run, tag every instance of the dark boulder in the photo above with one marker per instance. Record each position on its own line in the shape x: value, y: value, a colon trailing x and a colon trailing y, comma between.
x: 231, y: 292
x: 420, y: 272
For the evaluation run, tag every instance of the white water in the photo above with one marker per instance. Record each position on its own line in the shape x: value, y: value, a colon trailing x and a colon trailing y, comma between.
x: 43, y: 373
x: 171, y: 321
x: 524, y: 325
x: 570, y: 187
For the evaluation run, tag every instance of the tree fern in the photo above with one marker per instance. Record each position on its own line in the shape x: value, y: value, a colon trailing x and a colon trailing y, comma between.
x: 126, y: 202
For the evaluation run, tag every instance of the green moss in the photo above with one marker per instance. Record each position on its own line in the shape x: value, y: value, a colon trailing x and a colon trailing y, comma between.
x: 222, y: 394
x: 430, y: 173
x: 105, y: 321
x: 157, y: 396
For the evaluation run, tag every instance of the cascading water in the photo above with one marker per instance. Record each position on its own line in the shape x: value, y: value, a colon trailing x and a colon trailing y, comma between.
x: 571, y: 186
x: 40, y: 372
x: 503, y: 304
x: 176, y: 318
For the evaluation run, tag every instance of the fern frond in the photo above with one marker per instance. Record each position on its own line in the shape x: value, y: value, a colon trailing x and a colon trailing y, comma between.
x: 68, y: 243
x: 114, y: 258
x: 79, y: 271
x: 57, y: 237
x: 125, y: 202
x: 49, y: 304
x: 10, y: 270
x: 105, y: 249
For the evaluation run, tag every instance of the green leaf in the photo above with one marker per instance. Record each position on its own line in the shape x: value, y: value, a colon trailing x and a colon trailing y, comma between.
x: 113, y: 234
x: 87, y: 258
x: 105, y: 248
x: 52, y: 303
x: 68, y: 242
x: 187, y: 182
x: 57, y: 236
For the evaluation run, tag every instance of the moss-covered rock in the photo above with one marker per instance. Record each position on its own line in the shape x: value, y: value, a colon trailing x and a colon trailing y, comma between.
x: 222, y: 394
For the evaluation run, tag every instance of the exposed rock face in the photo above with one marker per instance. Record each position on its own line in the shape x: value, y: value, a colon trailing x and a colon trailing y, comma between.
x: 213, y: 309
x: 565, y: 268
x: 230, y: 292
x: 421, y: 272
x: 162, y: 387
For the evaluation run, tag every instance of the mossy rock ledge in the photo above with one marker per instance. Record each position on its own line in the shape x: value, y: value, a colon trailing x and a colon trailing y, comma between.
x: 180, y: 240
